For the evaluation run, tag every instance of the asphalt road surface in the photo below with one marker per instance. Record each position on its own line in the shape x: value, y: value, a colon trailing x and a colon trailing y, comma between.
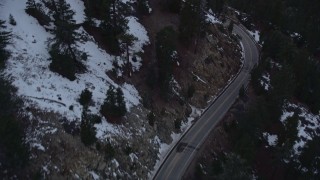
x: 177, y: 161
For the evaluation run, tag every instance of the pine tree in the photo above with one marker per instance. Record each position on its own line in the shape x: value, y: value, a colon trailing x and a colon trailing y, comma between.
x: 114, y: 23
x: 111, y: 99
x: 121, y: 105
x: 13, y: 150
x: 35, y: 9
x: 192, y: 9
x: 127, y: 40
x: 87, y: 130
x: 65, y: 27
x: 143, y: 7
x: 108, y: 106
x: 12, y: 21
x: 63, y: 46
x: 235, y: 167
x: 114, y: 104
x: 4, y: 41
x: 165, y: 47
x: 85, y: 97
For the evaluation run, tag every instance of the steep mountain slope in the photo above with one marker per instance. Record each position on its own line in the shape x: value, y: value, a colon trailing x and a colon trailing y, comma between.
x: 128, y: 149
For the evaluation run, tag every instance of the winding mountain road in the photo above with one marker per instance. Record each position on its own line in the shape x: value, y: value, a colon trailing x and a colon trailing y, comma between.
x: 179, y: 158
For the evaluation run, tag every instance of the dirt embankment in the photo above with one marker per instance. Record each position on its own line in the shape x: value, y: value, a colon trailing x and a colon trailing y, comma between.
x: 207, y: 67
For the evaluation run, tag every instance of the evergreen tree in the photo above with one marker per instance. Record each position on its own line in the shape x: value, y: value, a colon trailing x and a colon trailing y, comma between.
x: 191, y: 90
x: 235, y: 167
x: 110, y: 101
x: 192, y: 9
x: 65, y: 27
x: 63, y: 46
x: 87, y: 130
x: 85, y: 97
x: 13, y: 151
x: 12, y: 21
x: 230, y: 27
x: 35, y: 10
x: 4, y: 41
x: 114, y: 23
x: 151, y: 118
x: 310, y: 158
x: 127, y: 40
x: 121, y: 105
x: 165, y: 48
x: 143, y: 7
x: 114, y: 104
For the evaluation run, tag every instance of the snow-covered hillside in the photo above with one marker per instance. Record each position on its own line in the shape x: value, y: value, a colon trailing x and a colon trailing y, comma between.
x: 52, y: 101
x: 28, y: 67
x: 51, y: 94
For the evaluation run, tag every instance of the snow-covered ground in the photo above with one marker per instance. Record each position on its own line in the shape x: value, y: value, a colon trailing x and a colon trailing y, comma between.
x: 28, y: 67
x: 308, y: 124
x: 211, y: 18
x: 136, y: 29
x: 78, y: 7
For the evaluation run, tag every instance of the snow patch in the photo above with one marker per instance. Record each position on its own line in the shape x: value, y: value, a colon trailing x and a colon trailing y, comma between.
x: 28, y: 67
x: 78, y: 7
x: 104, y: 128
x: 308, y: 124
x: 272, y: 139
x: 242, y: 52
x: 255, y: 34
x: 94, y: 175
x: 212, y: 19
x: 198, y: 78
x: 38, y: 146
x: 265, y: 81
x: 137, y: 30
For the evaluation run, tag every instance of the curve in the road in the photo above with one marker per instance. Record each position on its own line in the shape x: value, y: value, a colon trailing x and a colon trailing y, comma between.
x: 179, y: 158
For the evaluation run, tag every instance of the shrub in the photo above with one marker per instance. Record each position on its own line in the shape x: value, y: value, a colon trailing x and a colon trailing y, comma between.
x: 191, y: 91
x: 114, y: 105
x: 38, y: 14
x: 165, y: 47
x: 242, y: 92
x: 87, y: 130
x: 85, y: 97
x: 128, y: 150
x: 84, y: 56
x: 143, y: 7
x: 12, y: 21
x: 177, y: 124
x: 151, y: 118
x: 63, y: 64
x: 109, y: 151
x: 230, y: 27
